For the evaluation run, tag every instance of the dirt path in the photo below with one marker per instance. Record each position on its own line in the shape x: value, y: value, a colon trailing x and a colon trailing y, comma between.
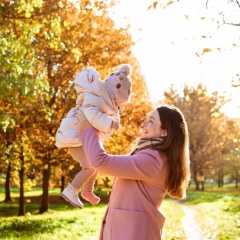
x: 191, y: 227
x: 192, y: 230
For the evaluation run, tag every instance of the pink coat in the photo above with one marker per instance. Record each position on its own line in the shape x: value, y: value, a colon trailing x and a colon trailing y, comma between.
x: 138, y: 191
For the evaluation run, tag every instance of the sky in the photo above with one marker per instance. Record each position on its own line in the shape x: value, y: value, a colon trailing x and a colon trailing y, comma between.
x: 170, y: 40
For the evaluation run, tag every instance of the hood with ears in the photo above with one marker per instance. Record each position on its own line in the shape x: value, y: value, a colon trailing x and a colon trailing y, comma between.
x: 120, y: 84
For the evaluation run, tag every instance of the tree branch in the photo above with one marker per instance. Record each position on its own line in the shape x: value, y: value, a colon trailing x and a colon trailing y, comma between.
x: 207, y: 4
x: 238, y: 3
x: 233, y: 24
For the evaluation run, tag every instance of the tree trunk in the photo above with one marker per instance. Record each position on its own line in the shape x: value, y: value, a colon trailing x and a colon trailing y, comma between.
x: 45, y: 187
x: 202, y: 186
x: 7, y: 184
x: 220, y: 179
x: 21, y: 211
x: 62, y: 183
x: 236, y: 182
x: 195, y: 174
x: 197, y: 188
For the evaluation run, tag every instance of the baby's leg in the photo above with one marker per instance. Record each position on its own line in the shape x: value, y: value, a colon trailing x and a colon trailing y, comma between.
x: 70, y: 193
x: 86, y: 177
x: 87, y: 192
x: 87, y: 172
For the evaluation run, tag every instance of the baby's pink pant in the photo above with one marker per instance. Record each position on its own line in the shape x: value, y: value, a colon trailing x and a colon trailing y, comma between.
x: 85, y: 179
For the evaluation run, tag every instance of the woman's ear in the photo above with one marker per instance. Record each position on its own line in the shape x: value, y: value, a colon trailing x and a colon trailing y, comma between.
x: 164, y: 133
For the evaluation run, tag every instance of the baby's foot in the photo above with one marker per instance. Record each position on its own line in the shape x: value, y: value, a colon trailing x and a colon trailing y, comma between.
x: 70, y: 194
x: 90, y: 196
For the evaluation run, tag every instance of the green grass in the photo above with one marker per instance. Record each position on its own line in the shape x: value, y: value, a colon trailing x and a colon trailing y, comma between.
x: 217, y: 214
x: 32, y: 192
x: 213, y: 187
x: 65, y: 221
x: 173, y: 213
x: 62, y: 221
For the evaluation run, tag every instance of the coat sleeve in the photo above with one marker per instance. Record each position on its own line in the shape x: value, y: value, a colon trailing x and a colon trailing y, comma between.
x: 141, y: 166
x: 94, y: 108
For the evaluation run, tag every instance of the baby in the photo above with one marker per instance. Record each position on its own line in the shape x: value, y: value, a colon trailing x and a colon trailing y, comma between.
x: 100, y: 101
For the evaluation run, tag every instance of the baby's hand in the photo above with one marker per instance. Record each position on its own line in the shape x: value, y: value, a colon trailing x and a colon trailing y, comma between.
x: 115, y: 125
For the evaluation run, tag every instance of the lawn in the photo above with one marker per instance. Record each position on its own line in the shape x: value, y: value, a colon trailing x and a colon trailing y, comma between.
x: 63, y: 221
x: 217, y: 214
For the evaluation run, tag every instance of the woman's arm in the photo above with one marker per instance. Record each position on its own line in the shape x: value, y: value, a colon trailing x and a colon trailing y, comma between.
x: 140, y: 166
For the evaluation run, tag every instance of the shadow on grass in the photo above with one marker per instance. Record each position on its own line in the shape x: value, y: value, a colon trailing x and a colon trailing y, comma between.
x: 32, y: 205
x: 28, y: 228
x: 11, y: 209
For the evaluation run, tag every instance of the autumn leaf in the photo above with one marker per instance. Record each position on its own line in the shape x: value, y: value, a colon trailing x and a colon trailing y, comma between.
x: 154, y: 5
x: 206, y: 50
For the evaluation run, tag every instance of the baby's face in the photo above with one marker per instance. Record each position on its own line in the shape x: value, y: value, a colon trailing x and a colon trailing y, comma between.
x: 121, y: 85
x: 125, y: 90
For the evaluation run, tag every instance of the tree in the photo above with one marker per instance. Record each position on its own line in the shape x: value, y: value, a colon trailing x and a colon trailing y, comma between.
x: 7, y: 158
x: 232, y: 157
x: 17, y: 68
x: 201, y: 110
x: 86, y: 42
x: 46, y: 44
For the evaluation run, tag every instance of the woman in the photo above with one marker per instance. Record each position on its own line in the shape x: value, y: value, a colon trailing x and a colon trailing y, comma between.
x: 158, y: 166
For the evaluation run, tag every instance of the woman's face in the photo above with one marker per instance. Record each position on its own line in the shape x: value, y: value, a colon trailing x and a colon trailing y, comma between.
x: 151, y: 127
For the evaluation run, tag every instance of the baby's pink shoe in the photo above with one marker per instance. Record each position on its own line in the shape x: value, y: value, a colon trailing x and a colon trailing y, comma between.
x: 90, y: 196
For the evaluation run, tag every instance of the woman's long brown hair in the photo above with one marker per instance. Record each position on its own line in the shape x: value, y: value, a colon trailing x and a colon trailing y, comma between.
x: 176, y: 148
